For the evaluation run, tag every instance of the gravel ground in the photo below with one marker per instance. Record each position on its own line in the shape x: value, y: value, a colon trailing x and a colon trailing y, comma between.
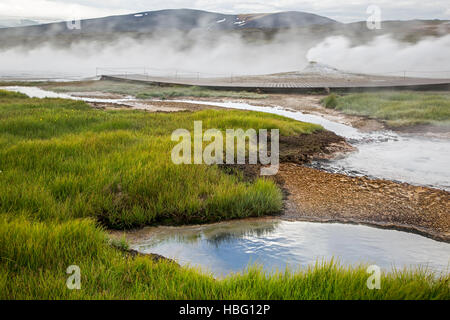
x: 315, y: 195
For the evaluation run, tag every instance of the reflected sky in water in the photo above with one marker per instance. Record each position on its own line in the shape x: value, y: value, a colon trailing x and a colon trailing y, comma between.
x: 231, y: 246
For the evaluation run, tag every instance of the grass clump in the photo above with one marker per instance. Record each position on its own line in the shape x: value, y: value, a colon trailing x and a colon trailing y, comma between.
x: 396, y: 108
x: 330, y: 101
x: 4, y: 95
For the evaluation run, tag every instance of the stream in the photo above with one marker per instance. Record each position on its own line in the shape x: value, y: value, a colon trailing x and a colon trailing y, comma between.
x: 229, y: 247
x: 381, y: 154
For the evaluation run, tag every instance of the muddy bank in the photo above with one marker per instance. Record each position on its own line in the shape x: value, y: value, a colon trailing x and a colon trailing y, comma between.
x: 428, y: 130
x: 152, y: 106
x: 299, y: 149
x: 307, y: 147
x: 314, y: 195
x: 153, y: 256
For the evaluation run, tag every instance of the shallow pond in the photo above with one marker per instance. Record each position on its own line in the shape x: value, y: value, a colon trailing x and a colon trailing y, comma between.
x: 228, y: 247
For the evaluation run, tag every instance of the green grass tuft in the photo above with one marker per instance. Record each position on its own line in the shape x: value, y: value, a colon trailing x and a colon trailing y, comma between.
x: 396, y: 108
x: 330, y: 101
x: 11, y: 95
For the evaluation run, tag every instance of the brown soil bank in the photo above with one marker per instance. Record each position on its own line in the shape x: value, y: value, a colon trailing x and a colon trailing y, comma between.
x: 153, y: 106
x: 306, y: 147
x: 315, y: 195
x: 298, y: 149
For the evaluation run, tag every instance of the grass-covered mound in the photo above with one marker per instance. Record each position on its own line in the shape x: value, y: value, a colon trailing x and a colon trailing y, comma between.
x: 61, y: 159
x: 35, y: 257
x: 397, y: 108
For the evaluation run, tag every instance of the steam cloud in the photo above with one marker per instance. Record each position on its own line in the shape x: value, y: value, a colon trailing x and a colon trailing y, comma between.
x: 230, y: 54
x: 429, y: 57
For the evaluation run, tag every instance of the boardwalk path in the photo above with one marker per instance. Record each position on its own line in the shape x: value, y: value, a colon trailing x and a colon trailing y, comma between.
x: 295, y: 82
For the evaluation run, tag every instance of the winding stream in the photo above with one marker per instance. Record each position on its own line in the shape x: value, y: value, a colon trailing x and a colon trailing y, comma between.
x: 382, y: 154
x: 229, y: 247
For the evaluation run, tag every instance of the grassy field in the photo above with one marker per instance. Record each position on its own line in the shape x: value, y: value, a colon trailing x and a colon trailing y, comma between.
x: 147, y: 91
x: 68, y: 171
x: 61, y: 159
x: 396, y: 108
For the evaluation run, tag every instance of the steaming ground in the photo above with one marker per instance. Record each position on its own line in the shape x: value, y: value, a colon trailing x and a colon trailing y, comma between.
x: 384, y: 55
x: 228, y: 55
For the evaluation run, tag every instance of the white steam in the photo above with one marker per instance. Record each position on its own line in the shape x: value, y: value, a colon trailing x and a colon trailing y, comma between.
x: 384, y: 55
x: 230, y: 55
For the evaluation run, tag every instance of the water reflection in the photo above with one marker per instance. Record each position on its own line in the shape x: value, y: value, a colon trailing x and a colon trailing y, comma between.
x: 224, y: 237
x: 215, y: 234
x: 231, y: 246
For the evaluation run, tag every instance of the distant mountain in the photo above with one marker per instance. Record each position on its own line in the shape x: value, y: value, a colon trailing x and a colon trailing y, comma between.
x: 178, y: 19
x: 308, y: 29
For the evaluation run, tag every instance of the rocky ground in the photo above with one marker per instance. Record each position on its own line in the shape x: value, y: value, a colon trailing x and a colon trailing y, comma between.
x: 315, y: 195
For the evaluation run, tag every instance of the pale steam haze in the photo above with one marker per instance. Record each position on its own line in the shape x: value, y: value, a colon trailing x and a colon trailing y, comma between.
x: 229, y: 54
x: 429, y: 57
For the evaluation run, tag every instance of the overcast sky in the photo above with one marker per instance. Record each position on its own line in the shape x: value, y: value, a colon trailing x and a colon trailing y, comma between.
x: 341, y: 10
